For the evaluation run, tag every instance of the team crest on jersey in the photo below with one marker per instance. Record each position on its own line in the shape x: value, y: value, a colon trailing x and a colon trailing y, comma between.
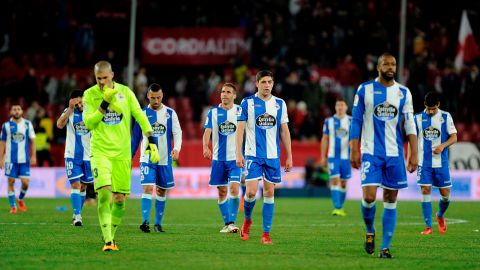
x: 120, y: 96
x: 441, y: 120
x: 400, y: 94
x: 18, y: 137
x: 226, y: 128
x: 80, y: 128
x: 158, y: 129
x: 385, y: 111
x: 265, y: 121
x: 167, y: 115
x: 277, y: 106
x: 341, y: 132
x: 112, y: 118
x: 355, y: 101
x: 431, y: 133
x: 239, y: 111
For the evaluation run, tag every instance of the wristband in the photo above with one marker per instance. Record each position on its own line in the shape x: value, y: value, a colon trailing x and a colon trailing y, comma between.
x: 104, y: 105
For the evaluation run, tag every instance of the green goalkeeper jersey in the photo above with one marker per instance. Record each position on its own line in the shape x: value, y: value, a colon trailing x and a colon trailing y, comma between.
x: 111, y: 131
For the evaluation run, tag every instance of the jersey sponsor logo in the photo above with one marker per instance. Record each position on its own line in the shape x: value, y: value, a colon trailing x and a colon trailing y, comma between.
x: 431, y: 133
x: 158, y: 129
x: 112, y: 118
x: 226, y: 128
x: 385, y: 111
x: 18, y: 137
x: 80, y: 128
x: 266, y: 121
x: 341, y: 132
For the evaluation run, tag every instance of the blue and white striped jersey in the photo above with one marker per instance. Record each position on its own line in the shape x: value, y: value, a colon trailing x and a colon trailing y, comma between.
x: 263, y: 120
x: 377, y: 115
x: 77, y: 145
x: 433, y: 131
x: 337, y: 130
x: 17, y: 138
x: 165, y: 125
x: 223, y: 124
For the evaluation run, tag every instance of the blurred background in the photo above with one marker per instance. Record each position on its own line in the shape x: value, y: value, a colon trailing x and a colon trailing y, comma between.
x: 317, y: 49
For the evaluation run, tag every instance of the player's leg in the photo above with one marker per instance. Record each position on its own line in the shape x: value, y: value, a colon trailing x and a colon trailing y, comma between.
x: 272, y: 177
x: 395, y: 179
x: 85, y: 181
x: 121, y: 180
x: 223, y: 206
x: 253, y: 173
x: 147, y: 180
x: 23, y: 191
x: 334, y: 171
x: 371, y: 175
x: 219, y: 179
x: 164, y: 182
x: 83, y: 193
x: 76, y: 201
x: 11, y: 195
x: 234, y: 178
x: 424, y: 176
x: 102, y: 174
x: 443, y: 182
x: 243, y: 186
x: 345, y: 174
x: 146, y: 207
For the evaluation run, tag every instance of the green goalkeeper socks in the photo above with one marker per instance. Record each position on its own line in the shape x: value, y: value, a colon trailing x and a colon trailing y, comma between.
x: 118, y: 210
x: 105, y: 214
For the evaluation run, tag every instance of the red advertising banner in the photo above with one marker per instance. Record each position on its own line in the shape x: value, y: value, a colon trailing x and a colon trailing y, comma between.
x: 193, y: 46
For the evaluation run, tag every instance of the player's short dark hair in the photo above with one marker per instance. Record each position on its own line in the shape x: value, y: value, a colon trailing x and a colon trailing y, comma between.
x: 432, y: 99
x: 263, y: 73
x: 340, y: 99
x: 387, y: 54
x: 76, y: 93
x: 154, y: 87
x: 231, y: 85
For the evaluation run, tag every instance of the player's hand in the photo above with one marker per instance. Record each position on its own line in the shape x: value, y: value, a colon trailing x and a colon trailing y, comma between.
x: 72, y: 102
x: 355, y: 158
x: 322, y: 163
x: 115, y: 107
x: 288, y: 164
x: 438, y: 150
x: 2, y: 163
x: 174, y: 154
x: 207, y: 153
x: 152, y: 150
x: 109, y: 93
x: 240, y: 161
x: 412, y: 163
x: 33, y: 160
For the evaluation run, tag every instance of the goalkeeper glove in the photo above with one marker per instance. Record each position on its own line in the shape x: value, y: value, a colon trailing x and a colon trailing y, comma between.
x: 152, y: 150
x: 108, y: 96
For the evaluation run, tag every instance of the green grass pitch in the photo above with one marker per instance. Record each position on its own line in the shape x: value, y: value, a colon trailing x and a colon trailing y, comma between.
x: 304, y: 234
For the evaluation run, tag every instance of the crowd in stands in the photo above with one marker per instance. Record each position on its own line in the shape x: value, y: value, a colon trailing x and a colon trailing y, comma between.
x: 316, y: 49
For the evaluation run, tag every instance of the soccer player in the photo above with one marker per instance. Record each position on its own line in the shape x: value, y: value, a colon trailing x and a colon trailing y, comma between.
x: 164, y: 122
x: 378, y: 109
x: 107, y: 112
x: 221, y: 124
x: 16, y: 139
x: 77, y: 153
x: 263, y: 117
x: 436, y: 132
x: 335, y: 147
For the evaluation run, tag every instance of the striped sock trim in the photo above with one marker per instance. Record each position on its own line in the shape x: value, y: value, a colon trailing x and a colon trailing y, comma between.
x: 161, y: 199
x: 426, y: 198
x: 269, y: 200
x: 146, y: 196
x: 368, y: 205
x: 390, y: 205
x: 249, y: 199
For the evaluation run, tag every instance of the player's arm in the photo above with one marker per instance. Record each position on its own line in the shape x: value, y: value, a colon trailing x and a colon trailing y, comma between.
x: 287, y: 142
x: 411, y: 131
x: 3, y: 142
x: 63, y: 119
x: 452, y: 138
x: 177, y: 136
x: 240, y: 160
x: 207, y: 153
x: 33, y: 145
x: 136, y: 137
x: 356, y: 127
x: 91, y: 115
x: 324, y: 145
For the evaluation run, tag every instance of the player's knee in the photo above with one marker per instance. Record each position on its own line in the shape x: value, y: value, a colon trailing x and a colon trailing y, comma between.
x: 426, y: 190
x: 161, y: 192
x: 119, y: 197
x: 147, y: 189
x: 369, y: 198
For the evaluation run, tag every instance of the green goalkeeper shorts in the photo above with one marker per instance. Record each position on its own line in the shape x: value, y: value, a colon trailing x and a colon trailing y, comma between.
x: 112, y: 172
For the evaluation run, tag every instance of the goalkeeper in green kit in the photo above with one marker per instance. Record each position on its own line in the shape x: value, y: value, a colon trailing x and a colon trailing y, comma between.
x: 108, y: 110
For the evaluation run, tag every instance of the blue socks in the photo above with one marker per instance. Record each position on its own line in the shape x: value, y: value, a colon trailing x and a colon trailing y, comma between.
x: 146, y: 206
x: 22, y: 194
x: 267, y: 213
x: 224, y: 210
x: 389, y: 221
x: 427, y: 210
x: 76, y: 201
x: 443, y: 205
x: 335, y: 193
x: 11, y: 199
x: 159, y: 209
x: 368, y: 212
x: 83, y: 196
x: 234, y: 202
x: 248, y: 205
x: 343, y: 195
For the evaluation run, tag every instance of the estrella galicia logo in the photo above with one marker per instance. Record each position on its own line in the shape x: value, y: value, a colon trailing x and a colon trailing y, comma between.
x: 112, y: 118
x: 266, y: 121
x: 80, y: 128
x: 158, y: 129
x: 431, y: 133
x: 341, y: 132
x: 226, y: 128
x: 18, y: 137
x: 385, y: 111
